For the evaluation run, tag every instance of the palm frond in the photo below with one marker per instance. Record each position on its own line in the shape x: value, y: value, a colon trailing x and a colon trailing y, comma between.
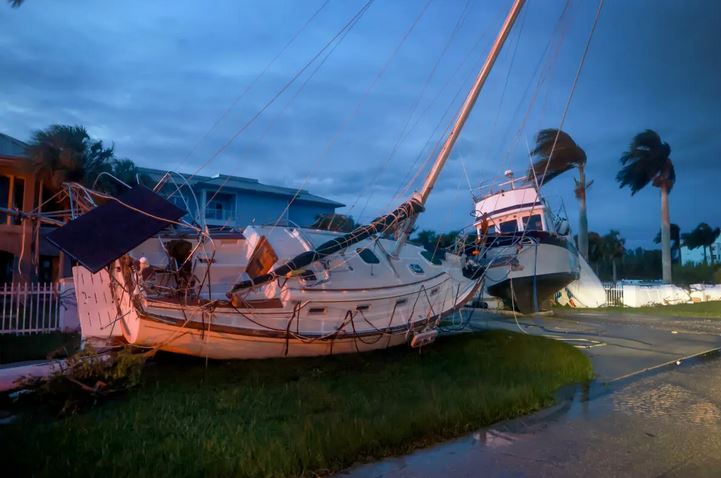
x: 557, y: 152
x: 646, y: 161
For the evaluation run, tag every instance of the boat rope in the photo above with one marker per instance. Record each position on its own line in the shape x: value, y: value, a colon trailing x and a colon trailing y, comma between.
x: 405, y: 131
x: 274, y: 122
x: 574, y: 84
x: 352, y: 115
x: 255, y: 80
x: 284, y: 88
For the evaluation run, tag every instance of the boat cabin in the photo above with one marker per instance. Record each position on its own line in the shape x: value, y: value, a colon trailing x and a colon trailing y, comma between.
x: 512, y: 208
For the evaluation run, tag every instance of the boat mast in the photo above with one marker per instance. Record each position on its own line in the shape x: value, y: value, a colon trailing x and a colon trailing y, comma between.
x: 461, y: 120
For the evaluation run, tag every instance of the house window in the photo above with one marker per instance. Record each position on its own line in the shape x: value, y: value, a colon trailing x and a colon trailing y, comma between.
x: 12, y: 190
x: 221, y: 207
x: 4, y: 197
x: 18, y: 193
x: 7, y: 261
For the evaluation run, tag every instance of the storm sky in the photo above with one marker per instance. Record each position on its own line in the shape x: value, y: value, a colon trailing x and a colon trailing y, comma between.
x: 172, y: 85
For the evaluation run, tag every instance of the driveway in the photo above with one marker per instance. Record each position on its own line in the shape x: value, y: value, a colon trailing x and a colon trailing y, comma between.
x: 654, y: 410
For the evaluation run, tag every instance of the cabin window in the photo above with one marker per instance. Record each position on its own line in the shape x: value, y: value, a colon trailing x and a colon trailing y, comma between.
x: 415, y: 268
x: 432, y: 258
x: 316, y: 310
x: 363, y: 308
x: 434, y: 291
x: 401, y: 302
x: 368, y: 256
x: 533, y: 223
x: 508, y: 227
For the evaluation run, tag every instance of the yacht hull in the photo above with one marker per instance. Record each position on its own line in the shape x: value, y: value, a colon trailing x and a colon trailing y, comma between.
x: 525, y: 271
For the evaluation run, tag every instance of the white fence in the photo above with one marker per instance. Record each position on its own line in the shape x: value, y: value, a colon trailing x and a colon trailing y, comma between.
x: 614, y: 293
x: 29, y: 308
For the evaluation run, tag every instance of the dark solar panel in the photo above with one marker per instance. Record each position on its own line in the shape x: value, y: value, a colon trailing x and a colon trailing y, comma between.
x: 100, y: 236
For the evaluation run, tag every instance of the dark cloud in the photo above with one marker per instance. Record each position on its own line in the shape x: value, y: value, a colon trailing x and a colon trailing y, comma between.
x: 153, y: 79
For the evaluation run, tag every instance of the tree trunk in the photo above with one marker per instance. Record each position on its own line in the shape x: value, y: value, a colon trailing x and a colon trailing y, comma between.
x: 582, y: 217
x: 705, y: 261
x: 613, y: 263
x: 665, y: 236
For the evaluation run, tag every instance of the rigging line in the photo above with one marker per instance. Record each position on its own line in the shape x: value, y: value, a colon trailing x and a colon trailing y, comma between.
x: 469, y: 54
x: 439, y: 140
x: 542, y: 76
x: 257, y: 78
x: 414, y: 108
x: 285, y: 87
x: 264, y: 134
x: 357, y: 108
x: 510, y: 68
x: 575, y: 83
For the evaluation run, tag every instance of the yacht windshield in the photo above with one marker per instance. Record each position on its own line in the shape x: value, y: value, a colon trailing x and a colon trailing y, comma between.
x: 508, y: 226
x: 533, y: 223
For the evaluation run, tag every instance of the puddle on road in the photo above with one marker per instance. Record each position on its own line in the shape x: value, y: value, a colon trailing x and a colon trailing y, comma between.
x: 636, y: 395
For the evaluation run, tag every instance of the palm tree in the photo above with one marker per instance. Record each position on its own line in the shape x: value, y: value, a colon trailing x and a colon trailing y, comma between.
x: 702, y: 236
x: 334, y: 222
x: 648, y: 161
x: 675, y: 242
x: 613, y: 247
x: 557, y: 152
x: 63, y: 153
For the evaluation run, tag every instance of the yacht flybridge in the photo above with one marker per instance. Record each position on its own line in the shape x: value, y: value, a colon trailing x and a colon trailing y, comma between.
x: 529, y: 252
x: 269, y: 291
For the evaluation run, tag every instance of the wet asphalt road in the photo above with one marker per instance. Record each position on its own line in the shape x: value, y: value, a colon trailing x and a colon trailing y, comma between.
x: 631, y: 421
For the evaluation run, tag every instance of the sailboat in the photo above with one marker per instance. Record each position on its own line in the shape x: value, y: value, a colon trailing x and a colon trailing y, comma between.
x: 268, y: 291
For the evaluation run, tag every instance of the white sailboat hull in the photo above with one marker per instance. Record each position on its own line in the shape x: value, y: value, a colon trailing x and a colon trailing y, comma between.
x: 356, y: 309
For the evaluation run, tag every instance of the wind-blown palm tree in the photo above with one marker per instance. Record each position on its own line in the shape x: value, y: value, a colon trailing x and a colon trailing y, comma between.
x: 648, y: 161
x: 556, y: 153
x: 704, y: 236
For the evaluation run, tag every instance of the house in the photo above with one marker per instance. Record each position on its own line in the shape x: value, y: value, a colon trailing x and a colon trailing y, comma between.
x: 20, y: 259
x: 221, y: 200
x: 235, y: 201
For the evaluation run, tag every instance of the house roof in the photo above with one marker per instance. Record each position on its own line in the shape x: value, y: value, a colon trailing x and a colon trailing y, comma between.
x: 11, y: 147
x: 239, y: 183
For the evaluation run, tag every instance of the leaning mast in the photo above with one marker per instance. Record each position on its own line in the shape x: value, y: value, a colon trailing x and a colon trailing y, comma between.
x: 463, y: 114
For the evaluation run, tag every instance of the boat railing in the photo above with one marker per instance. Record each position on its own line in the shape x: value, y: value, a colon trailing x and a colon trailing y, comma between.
x: 492, y: 187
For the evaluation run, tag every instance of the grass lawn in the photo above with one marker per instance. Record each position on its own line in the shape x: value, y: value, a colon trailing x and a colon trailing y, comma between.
x: 16, y: 348
x: 710, y: 310
x: 292, y: 417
